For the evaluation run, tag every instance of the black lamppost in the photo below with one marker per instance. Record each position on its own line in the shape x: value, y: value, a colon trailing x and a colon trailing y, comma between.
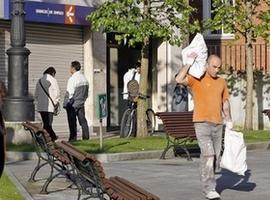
x: 18, y: 106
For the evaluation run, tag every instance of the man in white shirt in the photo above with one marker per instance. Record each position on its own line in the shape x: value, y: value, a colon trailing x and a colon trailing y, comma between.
x: 75, y: 97
x: 131, y: 74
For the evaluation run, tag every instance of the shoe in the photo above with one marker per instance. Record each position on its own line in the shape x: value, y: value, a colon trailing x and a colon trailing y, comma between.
x: 213, y: 195
x: 72, y: 140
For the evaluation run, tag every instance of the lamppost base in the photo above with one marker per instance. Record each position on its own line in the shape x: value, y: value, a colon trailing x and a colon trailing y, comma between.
x: 19, y: 109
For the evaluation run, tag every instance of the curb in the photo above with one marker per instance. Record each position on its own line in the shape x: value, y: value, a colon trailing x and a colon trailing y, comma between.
x: 258, y: 146
x: 112, y: 157
x: 18, y: 185
x: 104, y: 157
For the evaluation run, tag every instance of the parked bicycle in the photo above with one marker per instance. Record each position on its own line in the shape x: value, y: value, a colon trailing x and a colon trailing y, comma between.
x: 128, y: 126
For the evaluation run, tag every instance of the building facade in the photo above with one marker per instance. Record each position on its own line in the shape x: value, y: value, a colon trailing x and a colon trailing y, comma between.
x: 232, y: 53
x: 57, y: 33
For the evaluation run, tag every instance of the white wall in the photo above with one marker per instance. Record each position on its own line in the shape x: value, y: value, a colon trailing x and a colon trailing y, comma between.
x: 168, y: 64
x: 261, y: 100
x: 95, y: 71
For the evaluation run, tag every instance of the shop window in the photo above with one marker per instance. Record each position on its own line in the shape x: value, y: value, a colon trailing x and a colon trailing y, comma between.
x: 207, y: 14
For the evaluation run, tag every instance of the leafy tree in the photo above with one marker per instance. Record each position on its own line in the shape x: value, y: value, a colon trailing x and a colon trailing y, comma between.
x: 247, y: 19
x: 138, y: 21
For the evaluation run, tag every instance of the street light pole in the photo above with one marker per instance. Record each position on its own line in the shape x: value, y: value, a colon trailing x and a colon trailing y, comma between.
x: 18, y: 105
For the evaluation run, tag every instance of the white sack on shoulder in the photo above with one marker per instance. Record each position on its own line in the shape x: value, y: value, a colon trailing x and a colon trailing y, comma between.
x: 198, y: 47
x: 235, y: 152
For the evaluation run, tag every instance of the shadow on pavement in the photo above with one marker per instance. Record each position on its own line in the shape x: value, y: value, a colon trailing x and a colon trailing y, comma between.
x: 229, y: 180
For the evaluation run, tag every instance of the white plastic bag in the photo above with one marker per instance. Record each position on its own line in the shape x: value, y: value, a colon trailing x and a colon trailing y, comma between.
x: 198, y: 47
x: 234, y: 155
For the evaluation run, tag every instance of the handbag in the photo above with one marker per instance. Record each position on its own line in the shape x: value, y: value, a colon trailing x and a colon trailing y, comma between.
x: 56, y: 106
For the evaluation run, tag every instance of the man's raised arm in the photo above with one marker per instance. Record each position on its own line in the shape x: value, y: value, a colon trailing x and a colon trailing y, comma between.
x: 181, y: 77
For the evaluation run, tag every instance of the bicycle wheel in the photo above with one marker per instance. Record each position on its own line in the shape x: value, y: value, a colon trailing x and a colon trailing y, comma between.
x: 133, y: 124
x: 125, y: 123
x: 128, y: 123
x: 150, y: 121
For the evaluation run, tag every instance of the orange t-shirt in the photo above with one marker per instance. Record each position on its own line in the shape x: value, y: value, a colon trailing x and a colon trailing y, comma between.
x: 209, y: 95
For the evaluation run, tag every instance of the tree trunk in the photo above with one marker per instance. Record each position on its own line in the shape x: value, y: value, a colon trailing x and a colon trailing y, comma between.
x: 142, y: 101
x: 250, y: 79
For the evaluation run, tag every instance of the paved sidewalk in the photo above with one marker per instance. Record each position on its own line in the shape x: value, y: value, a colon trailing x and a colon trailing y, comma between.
x: 172, y: 179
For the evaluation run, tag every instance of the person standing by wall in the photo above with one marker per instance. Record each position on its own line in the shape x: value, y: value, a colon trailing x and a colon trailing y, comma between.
x: 2, y: 143
x: 211, y: 99
x: 3, y: 92
x: 47, y: 95
x: 180, y: 98
x: 74, y: 100
x: 131, y: 74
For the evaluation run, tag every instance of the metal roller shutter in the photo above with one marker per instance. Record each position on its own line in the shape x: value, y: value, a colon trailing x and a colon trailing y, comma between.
x: 50, y: 45
x: 4, y: 44
x: 56, y: 46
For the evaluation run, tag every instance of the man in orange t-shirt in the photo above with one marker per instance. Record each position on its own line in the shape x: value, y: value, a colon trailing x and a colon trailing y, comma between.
x: 211, y: 99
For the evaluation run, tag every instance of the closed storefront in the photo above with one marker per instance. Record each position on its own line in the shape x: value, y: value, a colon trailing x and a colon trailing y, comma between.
x: 50, y: 45
x: 57, y: 33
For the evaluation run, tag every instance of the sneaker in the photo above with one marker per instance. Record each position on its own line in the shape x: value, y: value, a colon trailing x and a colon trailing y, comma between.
x: 213, y: 195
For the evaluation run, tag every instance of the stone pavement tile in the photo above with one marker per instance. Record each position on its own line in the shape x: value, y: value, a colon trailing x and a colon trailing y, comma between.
x: 172, y: 179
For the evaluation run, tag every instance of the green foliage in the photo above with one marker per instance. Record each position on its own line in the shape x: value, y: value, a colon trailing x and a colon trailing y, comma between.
x: 22, y: 147
x: 167, y: 20
x: 240, y: 18
x: 120, y: 145
x: 256, y: 136
x: 264, y: 26
x: 8, y: 190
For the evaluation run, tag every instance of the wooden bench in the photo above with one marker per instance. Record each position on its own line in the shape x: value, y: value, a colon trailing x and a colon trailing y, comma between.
x: 48, y: 154
x: 93, y: 182
x: 179, y: 130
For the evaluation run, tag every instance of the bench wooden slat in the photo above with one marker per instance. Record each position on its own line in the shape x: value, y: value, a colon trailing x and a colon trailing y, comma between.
x: 179, y: 126
x: 138, y: 189
x: 124, y: 190
x: 91, y: 169
x: 71, y: 150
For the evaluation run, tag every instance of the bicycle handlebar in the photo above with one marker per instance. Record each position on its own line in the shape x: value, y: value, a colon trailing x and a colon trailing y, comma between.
x: 140, y: 95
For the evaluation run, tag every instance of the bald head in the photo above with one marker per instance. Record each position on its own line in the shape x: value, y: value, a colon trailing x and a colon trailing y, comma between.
x: 213, y: 57
x: 213, y: 65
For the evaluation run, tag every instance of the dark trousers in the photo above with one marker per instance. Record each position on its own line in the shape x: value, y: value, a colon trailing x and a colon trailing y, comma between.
x: 72, y: 115
x: 47, y: 119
